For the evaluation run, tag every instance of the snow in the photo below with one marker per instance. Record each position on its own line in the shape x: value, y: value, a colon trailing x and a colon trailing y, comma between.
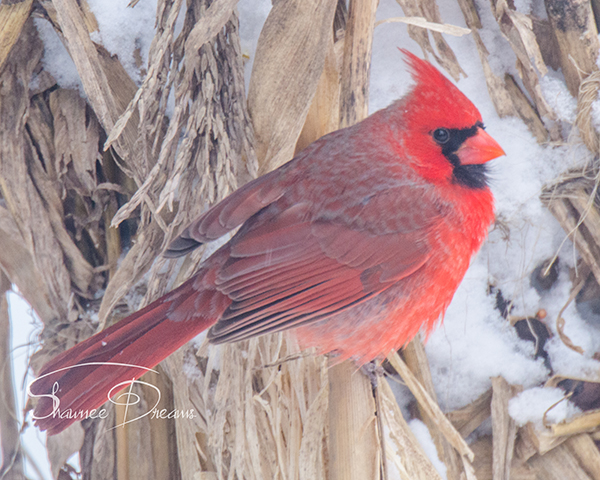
x: 558, y: 96
x: 422, y: 434
x: 125, y: 32
x: 532, y: 404
x: 523, y: 6
x: 475, y: 342
x: 56, y: 60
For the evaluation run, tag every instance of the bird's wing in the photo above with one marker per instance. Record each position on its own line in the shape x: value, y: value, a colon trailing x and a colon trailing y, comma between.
x: 228, y: 214
x: 293, y: 268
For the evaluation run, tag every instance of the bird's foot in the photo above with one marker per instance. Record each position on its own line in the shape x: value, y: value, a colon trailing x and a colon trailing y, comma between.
x: 373, y: 370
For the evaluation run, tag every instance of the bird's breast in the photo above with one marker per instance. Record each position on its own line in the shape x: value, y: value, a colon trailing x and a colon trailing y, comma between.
x: 391, y: 319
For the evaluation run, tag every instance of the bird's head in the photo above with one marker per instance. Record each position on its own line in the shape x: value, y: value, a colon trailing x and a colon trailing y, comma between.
x: 443, y: 132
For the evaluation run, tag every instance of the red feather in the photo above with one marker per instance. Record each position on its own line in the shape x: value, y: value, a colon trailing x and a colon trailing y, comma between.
x: 359, y: 242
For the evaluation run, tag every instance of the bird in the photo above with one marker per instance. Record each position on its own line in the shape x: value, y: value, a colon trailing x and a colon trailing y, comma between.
x: 357, y: 244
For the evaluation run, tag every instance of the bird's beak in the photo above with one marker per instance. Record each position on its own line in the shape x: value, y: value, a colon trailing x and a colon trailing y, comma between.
x: 479, y: 149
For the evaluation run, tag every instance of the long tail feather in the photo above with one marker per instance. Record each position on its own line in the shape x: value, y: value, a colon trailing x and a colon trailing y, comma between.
x: 83, y: 378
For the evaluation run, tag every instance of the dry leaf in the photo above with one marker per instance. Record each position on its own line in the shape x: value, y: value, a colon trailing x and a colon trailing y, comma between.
x: 13, y: 16
x: 416, y: 359
x: 403, y: 449
x: 86, y: 59
x: 356, y: 62
x: 288, y: 63
x: 17, y: 263
x: 18, y: 190
x: 429, y: 10
x: 62, y: 446
x: 575, y: 29
x: 518, y: 30
x: 504, y: 428
x: 431, y: 407
x: 423, y: 23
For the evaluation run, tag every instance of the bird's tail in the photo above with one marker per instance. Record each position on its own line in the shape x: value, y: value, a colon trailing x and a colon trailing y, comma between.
x: 81, y: 379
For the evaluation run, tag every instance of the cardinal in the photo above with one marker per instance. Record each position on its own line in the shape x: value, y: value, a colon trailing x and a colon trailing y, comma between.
x: 357, y: 244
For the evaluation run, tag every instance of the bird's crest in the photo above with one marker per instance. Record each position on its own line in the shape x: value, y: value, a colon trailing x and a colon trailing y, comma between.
x: 434, y: 91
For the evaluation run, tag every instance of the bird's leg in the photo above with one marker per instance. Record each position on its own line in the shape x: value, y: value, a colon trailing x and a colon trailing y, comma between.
x: 373, y: 370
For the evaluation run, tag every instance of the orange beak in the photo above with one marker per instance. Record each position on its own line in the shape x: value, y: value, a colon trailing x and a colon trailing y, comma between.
x: 479, y: 149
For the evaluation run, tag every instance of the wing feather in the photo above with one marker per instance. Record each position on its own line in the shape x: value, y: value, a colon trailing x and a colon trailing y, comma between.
x: 323, y: 281
x: 238, y: 269
x: 228, y: 214
x: 284, y: 278
x: 286, y: 267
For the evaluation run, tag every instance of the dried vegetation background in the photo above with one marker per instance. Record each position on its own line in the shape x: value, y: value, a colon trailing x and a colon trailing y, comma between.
x: 93, y: 190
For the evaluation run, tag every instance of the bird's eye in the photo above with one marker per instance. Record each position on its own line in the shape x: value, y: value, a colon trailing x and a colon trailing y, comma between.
x: 441, y: 135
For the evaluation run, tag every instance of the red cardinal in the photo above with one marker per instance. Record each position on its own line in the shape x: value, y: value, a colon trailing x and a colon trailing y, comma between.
x: 357, y: 243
